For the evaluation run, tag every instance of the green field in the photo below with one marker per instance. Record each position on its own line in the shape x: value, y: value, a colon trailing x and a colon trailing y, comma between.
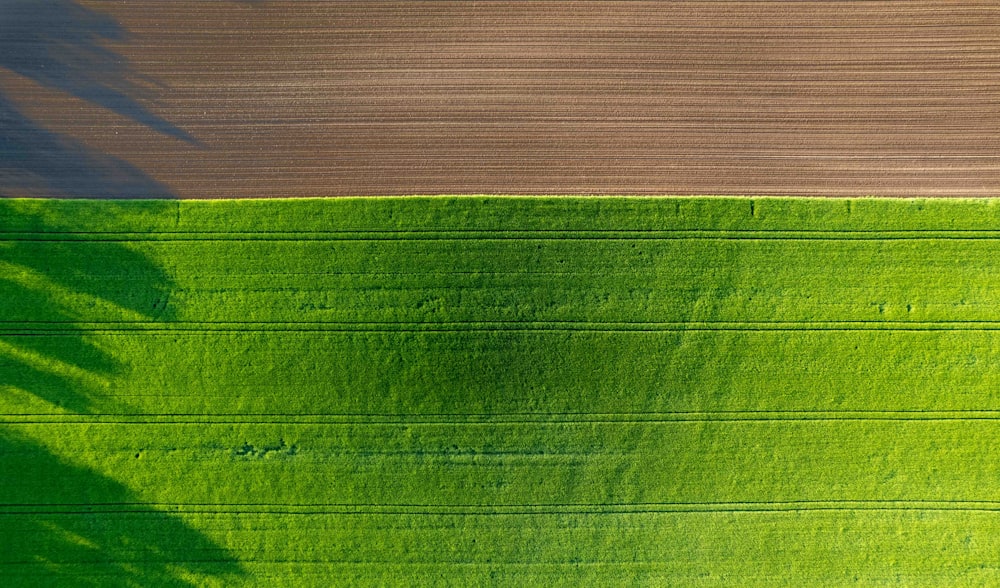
x: 478, y: 391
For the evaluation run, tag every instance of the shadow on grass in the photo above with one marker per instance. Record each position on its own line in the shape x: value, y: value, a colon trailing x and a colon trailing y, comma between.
x: 62, y: 524
x: 50, y: 288
x: 65, y: 525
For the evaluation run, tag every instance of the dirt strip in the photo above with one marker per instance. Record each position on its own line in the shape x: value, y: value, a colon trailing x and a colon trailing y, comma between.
x: 199, y: 99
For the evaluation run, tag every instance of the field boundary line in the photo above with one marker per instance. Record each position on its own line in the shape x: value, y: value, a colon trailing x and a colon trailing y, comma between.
x: 43, y: 328
x: 505, y: 234
x: 516, y: 418
x: 721, y: 507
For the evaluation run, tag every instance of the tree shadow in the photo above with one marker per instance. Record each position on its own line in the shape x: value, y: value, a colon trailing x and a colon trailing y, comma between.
x: 65, y: 525
x: 37, y: 162
x: 63, y: 46
x: 49, y: 289
x: 62, y: 524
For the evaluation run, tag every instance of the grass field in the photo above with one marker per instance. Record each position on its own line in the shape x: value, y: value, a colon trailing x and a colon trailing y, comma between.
x: 480, y: 391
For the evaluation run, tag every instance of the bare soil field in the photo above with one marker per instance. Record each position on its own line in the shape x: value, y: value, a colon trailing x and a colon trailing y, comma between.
x: 198, y: 99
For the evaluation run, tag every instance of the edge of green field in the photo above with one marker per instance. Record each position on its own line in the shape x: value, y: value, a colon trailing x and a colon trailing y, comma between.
x: 483, y: 390
x: 484, y: 213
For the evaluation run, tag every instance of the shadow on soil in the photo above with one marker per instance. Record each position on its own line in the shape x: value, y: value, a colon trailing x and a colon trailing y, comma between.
x: 62, y: 46
x: 62, y: 524
x: 37, y: 162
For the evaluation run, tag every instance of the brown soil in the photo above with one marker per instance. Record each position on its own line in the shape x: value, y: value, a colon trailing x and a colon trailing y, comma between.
x: 289, y: 98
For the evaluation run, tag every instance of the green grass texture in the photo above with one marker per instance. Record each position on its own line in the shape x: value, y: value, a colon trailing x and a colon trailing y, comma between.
x: 512, y: 391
